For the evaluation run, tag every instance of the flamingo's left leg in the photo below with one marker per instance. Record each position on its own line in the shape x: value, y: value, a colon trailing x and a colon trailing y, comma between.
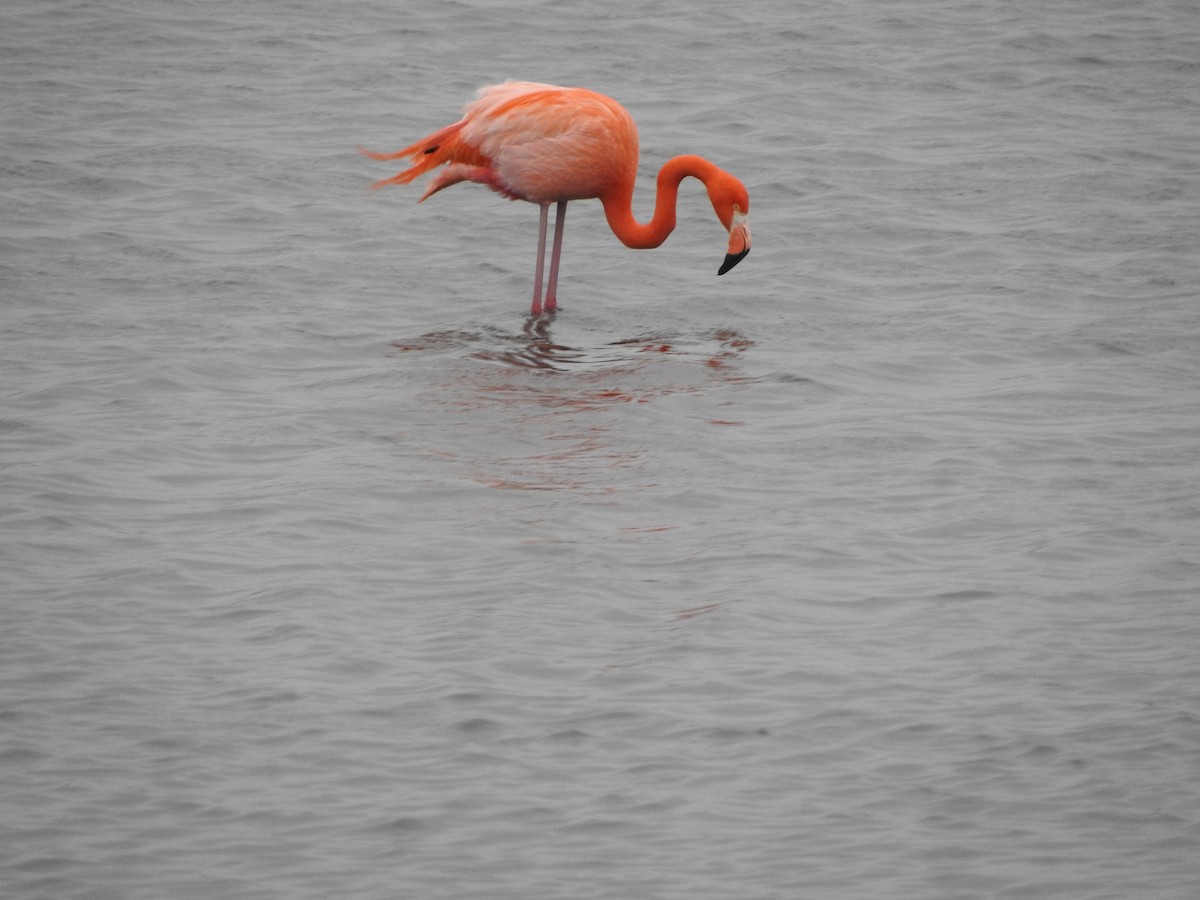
x: 536, y: 308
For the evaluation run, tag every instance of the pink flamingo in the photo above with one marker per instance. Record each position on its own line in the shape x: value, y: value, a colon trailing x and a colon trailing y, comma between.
x: 548, y: 144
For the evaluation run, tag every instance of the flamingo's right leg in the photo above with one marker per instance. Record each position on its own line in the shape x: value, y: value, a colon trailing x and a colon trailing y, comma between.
x: 552, y: 285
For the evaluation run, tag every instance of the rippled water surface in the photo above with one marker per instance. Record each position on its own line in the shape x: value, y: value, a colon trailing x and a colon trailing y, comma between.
x: 869, y: 569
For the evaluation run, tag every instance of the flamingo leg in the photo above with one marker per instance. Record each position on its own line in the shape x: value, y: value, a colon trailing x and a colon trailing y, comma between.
x: 552, y: 285
x: 536, y: 308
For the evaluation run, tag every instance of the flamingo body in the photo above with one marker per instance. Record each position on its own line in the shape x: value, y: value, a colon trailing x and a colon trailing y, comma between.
x: 547, y: 144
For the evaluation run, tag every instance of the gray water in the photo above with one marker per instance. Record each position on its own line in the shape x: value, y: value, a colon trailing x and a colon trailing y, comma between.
x: 868, y: 570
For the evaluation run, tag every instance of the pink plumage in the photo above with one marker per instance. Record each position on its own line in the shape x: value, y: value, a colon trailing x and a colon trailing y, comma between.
x: 548, y: 144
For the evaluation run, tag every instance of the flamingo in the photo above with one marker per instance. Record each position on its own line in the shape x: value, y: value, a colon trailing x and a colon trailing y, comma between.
x: 547, y: 144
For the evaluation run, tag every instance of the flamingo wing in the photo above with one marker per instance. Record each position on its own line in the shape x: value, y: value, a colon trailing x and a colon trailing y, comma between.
x: 549, y: 143
x: 528, y: 141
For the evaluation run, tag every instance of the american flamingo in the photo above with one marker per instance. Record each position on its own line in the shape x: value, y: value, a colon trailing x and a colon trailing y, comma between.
x: 548, y: 144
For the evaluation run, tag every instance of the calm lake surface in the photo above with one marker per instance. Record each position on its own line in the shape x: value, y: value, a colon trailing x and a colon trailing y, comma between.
x: 868, y: 570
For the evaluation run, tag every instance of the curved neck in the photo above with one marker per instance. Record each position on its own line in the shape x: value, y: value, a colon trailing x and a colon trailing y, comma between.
x: 618, y: 205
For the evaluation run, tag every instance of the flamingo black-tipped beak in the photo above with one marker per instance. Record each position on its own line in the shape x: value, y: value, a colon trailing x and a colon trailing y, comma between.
x: 731, y: 260
x: 739, y: 242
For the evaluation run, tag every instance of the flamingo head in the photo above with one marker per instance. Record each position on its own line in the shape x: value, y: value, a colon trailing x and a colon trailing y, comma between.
x: 732, y: 204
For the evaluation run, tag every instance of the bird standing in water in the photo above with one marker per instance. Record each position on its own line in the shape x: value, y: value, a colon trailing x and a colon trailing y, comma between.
x: 548, y: 144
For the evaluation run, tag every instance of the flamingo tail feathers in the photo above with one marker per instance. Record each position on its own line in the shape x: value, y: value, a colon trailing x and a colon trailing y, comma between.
x: 441, y: 147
